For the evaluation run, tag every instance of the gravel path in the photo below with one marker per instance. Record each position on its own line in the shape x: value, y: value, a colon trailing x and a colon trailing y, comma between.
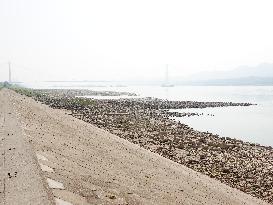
x: 20, y: 177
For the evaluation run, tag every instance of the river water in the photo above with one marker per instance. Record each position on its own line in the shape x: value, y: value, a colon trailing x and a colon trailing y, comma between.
x: 253, y: 123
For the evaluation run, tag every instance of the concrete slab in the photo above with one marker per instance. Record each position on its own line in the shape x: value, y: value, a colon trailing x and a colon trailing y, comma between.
x: 73, y: 198
x: 62, y: 202
x: 46, y: 168
x: 41, y: 157
x: 54, y: 184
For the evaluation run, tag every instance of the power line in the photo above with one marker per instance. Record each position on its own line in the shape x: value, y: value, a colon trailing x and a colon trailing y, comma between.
x: 9, y: 72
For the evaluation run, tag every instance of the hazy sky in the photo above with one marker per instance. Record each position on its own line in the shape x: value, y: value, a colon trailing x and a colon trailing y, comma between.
x: 103, y: 39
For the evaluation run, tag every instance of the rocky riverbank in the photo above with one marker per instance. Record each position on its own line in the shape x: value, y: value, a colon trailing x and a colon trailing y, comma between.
x: 242, y: 165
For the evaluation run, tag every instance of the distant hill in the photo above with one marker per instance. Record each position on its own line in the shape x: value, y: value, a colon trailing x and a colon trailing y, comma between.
x: 261, y: 74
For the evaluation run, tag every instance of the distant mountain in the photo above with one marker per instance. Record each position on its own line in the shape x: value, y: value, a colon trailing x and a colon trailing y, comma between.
x: 261, y: 74
x: 231, y: 81
x: 261, y: 70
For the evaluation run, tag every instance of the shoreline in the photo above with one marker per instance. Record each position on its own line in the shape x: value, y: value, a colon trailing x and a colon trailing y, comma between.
x: 233, y: 162
x: 97, y: 167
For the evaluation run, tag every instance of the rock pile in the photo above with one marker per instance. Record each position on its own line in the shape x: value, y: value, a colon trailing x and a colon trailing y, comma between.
x: 242, y: 165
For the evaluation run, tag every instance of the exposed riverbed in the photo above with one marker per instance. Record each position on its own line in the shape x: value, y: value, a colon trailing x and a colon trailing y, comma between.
x: 253, y: 123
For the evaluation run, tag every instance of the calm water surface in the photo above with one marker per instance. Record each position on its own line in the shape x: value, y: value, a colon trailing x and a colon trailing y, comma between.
x: 253, y: 123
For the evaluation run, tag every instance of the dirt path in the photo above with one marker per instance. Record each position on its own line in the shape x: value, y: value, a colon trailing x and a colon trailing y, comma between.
x: 92, y: 166
x: 21, y: 182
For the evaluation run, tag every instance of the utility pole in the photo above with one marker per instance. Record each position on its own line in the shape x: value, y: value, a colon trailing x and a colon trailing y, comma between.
x: 167, y: 74
x: 9, y: 72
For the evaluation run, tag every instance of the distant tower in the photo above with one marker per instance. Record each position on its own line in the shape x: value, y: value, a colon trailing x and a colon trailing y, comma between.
x: 167, y: 75
x: 166, y: 83
x: 9, y: 72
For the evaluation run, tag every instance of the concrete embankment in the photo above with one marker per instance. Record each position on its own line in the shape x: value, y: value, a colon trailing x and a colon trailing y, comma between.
x: 87, y: 165
x: 146, y: 122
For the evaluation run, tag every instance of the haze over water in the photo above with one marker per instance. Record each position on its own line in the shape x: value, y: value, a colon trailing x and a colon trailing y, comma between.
x: 253, y: 123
